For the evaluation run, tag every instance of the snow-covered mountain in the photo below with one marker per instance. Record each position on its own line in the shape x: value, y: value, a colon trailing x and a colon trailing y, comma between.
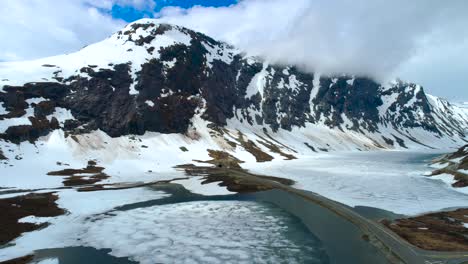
x: 171, y: 87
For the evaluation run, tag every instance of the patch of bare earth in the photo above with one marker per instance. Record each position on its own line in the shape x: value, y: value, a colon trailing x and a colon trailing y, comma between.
x: 454, y: 168
x: 461, y: 152
x: 122, y: 186
x: 227, y: 171
x: 274, y: 148
x: 20, y: 260
x: 442, y: 231
x: 76, y: 177
x: 252, y: 148
x: 222, y: 159
x: 247, y: 144
x: 15, y: 208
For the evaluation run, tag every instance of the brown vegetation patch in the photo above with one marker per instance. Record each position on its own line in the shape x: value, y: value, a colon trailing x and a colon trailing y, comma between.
x: 234, y: 184
x: 442, y: 231
x: 228, y: 172
x: 13, y: 209
x: 219, y: 132
x: 461, y: 179
x: 231, y: 143
x: 285, y: 146
x: 222, y: 159
x: 463, y: 165
x: 453, y: 168
x: 73, y: 177
x: 461, y: 152
x: 79, y: 180
x: 274, y: 148
x: 253, y: 149
x: 120, y: 186
x: 20, y: 260
x: 248, y: 145
x: 376, y: 144
x: 92, y: 188
x: 234, y: 179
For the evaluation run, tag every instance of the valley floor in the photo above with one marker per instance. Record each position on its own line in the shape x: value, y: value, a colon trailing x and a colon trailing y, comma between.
x: 391, y: 180
x: 107, y: 218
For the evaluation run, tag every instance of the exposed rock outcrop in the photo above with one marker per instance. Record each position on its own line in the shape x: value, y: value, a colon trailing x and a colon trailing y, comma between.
x: 169, y: 74
x: 455, y: 164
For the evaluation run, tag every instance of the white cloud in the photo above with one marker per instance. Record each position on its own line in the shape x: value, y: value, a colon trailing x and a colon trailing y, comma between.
x: 420, y: 40
x: 37, y: 28
x: 443, y: 70
x: 137, y: 4
x: 379, y: 38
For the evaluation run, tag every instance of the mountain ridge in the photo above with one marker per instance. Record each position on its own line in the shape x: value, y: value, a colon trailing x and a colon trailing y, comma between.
x: 152, y: 77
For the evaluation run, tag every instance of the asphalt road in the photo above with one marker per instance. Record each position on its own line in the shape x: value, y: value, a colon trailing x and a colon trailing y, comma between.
x: 394, y: 247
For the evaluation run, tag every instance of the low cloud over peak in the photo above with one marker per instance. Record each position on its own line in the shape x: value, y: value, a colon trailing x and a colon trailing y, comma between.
x: 378, y: 38
x: 424, y: 41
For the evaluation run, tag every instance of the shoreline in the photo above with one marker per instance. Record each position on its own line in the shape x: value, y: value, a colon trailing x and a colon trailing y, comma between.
x: 371, y: 234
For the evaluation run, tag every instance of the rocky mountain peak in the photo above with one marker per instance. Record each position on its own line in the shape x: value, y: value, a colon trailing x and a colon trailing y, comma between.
x: 152, y: 77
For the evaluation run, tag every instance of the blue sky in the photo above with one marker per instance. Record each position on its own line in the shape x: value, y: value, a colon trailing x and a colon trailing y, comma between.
x: 129, y: 13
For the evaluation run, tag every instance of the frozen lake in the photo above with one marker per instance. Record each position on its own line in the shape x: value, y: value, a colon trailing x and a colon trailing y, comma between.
x: 173, y: 225
x: 390, y: 180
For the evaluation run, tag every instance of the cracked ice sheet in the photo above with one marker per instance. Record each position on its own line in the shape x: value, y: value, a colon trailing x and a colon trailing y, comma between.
x: 65, y: 230
x: 390, y: 180
x: 205, y: 232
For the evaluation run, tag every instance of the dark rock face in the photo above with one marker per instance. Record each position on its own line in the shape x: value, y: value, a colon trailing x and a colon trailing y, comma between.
x: 2, y: 156
x: 103, y: 101
x: 44, y: 108
x: 39, y: 127
x: 401, y: 114
x: 169, y: 115
x: 286, y: 98
x: 169, y: 90
x: 357, y: 100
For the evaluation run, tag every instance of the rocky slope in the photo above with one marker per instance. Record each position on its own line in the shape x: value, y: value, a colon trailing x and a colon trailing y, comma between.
x: 453, y: 168
x: 162, y: 78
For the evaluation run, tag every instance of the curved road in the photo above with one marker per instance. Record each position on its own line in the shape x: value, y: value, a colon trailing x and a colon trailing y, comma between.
x: 394, y: 247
